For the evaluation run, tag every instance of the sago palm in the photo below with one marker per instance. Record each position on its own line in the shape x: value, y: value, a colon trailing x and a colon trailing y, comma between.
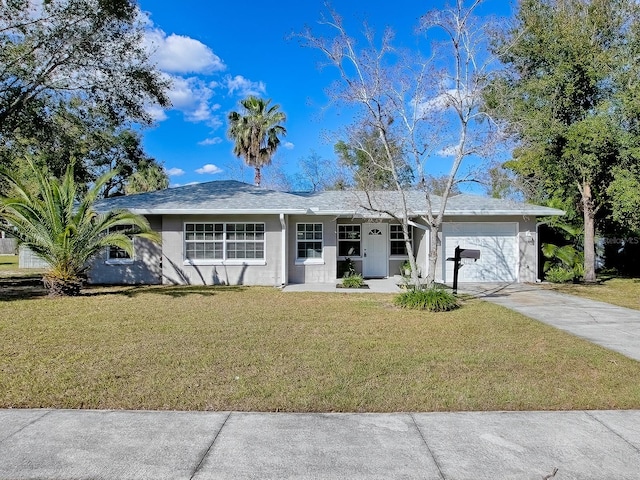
x: 63, y: 228
x: 256, y: 131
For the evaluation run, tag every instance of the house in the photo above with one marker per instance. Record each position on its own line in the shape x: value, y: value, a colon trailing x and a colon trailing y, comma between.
x: 228, y: 232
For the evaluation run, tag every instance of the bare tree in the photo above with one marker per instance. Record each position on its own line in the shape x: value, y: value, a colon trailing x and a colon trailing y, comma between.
x: 429, y: 107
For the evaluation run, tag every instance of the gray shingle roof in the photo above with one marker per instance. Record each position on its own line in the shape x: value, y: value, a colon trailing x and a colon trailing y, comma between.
x: 232, y: 197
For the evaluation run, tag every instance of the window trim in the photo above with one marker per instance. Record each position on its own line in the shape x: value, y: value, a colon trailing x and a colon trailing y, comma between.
x: 391, y: 240
x: 224, y: 241
x: 310, y: 260
x: 122, y: 260
x: 343, y: 257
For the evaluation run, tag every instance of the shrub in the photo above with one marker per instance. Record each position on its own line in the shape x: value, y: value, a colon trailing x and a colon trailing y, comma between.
x: 434, y: 299
x: 559, y: 275
x: 354, y: 280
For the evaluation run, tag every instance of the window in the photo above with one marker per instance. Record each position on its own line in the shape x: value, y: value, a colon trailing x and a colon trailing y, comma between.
x: 349, y: 240
x: 224, y: 241
x: 309, y: 240
x: 396, y: 237
x: 117, y: 253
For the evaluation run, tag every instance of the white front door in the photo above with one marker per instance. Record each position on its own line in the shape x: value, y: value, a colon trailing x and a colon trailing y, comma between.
x: 375, y: 259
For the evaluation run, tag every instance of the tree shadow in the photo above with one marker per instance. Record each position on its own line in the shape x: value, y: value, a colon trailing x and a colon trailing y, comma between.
x: 175, y: 291
x: 22, y: 287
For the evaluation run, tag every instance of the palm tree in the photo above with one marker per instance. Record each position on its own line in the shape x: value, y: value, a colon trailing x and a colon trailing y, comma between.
x: 63, y: 228
x: 256, y: 132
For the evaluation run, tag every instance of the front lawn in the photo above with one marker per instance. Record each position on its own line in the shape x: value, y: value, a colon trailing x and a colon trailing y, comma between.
x: 624, y: 292
x: 8, y: 262
x: 259, y: 349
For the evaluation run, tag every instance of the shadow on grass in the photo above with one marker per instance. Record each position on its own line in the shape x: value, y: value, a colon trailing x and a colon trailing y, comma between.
x: 22, y: 287
x: 25, y: 287
x: 176, y: 291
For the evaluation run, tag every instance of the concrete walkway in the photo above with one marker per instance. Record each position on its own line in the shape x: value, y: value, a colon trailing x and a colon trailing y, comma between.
x: 85, y: 444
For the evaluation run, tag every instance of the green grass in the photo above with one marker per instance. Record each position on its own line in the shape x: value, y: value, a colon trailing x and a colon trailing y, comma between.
x: 259, y: 349
x: 624, y: 292
x: 8, y: 262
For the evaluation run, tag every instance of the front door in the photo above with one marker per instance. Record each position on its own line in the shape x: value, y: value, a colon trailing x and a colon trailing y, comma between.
x: 375, y: 259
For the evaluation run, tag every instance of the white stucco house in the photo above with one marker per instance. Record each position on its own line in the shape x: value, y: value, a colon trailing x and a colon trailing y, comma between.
x: 228, y: 232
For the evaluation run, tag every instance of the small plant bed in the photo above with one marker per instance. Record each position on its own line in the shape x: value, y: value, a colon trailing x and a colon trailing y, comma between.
x: 354, y: 280
x: 434, y: 299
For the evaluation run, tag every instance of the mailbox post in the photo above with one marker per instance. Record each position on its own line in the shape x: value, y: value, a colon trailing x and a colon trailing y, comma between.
x: 459, y: 254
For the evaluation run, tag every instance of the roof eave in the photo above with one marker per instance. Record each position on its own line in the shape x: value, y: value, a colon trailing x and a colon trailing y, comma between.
x: 209, y: 211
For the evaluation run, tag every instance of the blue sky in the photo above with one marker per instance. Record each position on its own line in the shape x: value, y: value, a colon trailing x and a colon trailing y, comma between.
x: 218, y: 52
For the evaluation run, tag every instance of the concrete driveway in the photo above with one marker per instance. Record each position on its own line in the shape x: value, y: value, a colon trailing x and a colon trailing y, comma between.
x: 616, y: 328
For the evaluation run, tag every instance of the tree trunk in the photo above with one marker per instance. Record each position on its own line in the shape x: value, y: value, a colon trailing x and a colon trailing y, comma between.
x: 589, y: 233
x: 62, y: 288
x: 433, y: 255
x: 257, y: 178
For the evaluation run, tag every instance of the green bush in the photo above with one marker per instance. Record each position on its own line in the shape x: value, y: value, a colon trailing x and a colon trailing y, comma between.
x: 559, y: 275
x: 354, y: 280
x: 433, y: 299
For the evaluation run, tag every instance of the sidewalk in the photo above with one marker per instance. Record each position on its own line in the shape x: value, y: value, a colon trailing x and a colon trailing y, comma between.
x: 86, y: 444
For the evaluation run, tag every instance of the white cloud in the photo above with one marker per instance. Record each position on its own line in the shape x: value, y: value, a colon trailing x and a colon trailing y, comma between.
x: 210, y: 141
x: 444, y: 100
x: 288, y: 145
x: 180, y: 54
x: 209, y: 168
x: 192, y: 97
x: 450, y: 151
x: 244, y: 87
x: 175, y: 172
x: 156, y: 112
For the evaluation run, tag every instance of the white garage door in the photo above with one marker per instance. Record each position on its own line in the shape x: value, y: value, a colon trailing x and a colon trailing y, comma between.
x: 498, y: 245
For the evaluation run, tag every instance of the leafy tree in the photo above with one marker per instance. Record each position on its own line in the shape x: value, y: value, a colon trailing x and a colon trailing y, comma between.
x: 317, y: 174
x: 63, y: 228
x: 256, y: 131
x: 53, y: 51
x: 74, y: 77
x: 569, y: 91
x: 365, y: 157
x: 148, y: 177
x: 624, y: 195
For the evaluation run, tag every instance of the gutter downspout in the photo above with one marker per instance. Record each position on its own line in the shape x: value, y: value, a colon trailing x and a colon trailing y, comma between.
x: 284, y: 273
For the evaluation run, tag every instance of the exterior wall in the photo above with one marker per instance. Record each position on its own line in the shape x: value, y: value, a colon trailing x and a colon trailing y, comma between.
x: 315, y: 271
x: 28, y: 259
x: 144, y: 269
x: 8, y: 246
x: 177, y: 270
x: 527, y: 243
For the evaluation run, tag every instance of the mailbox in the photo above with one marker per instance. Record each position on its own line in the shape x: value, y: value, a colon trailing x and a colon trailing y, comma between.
x: 462, y: 256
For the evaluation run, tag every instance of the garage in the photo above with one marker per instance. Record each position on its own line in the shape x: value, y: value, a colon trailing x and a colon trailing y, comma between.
x: 498, y: 245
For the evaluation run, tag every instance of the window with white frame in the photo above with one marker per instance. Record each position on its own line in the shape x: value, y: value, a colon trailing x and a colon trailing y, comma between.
x: 224, y: 241
x: 116, y: 253
x: 396, y: 238
x: 309, y: 240
x: 349, y: 240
